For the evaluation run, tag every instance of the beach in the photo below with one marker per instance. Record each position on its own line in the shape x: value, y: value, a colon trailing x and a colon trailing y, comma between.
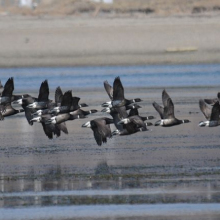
x: 94, y: 41
x: 162, y: 173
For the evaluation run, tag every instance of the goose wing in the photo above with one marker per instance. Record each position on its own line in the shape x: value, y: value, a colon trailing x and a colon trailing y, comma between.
x: 211, y: 101
x: 118, y: 89
x: 116, y: 118
x: 138, y: 121
x: 43, y: 92
x: 122, y: 111
x: 108, y: 89
x: 75, y: 103
x: 67, y: 99
x: 101, y: 130
x: 62, y: 127
x: 165, y: 98
x: 206, y: 110
x: 159, y: 109
x: 58, y: 96
x: 8, y: 88
x: 215, y: 112
x: 50, y: 129
x: 169, y: 109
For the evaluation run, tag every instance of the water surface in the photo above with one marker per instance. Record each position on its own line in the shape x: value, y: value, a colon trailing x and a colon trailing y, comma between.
x: 166, y: 173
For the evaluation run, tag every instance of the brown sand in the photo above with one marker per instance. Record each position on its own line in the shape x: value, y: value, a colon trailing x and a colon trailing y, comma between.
x: 79, y: 41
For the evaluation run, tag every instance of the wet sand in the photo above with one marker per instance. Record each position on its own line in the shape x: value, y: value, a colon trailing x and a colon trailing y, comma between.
x: 84, y: 41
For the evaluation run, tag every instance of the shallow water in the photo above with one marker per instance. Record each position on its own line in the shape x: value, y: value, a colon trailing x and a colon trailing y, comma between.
x: 166, y: 173
x: 132, y: 76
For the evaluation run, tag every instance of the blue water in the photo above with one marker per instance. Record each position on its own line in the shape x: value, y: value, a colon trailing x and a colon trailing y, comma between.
x: 165, y: 211
x: 132, y: 76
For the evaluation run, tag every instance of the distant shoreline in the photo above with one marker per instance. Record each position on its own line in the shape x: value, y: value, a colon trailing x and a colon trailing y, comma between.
x: 77, y: 41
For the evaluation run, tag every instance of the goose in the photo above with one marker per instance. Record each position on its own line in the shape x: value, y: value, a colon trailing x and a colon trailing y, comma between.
x: 82, y: 112
x: 57, y: 119
x: 133, y: 123
x: 43, y: 97
x: 50, y: 129
x: 101, y: 129
x: 71, y: 105
x: 134, y: 111
x: 60, y: 106
x: 53, y: 105
x: 116, y: 95
x: 167, y: 112
x: 211, y: 114
x: 128, y: 107
x: 116, y: 116
x: 79, y: 113
x: 31, y: 104
x: 9, y: 110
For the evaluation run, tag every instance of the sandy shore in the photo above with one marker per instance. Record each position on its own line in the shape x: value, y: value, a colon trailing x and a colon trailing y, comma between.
x: 80, y: 41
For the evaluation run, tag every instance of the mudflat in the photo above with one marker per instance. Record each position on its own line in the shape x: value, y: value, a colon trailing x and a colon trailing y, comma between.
x: 85, y: 41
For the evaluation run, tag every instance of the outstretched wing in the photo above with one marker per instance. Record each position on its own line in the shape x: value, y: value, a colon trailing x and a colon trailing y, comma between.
x: 169, y: 109
x: 108, y: 89
x: 118, y: 89
x: 159, y: 109
x: 43, y: 92
x: 165, y: 98
x: 138, y: 121
x: 58, y: 96
x: 206, y: 110
x: 8, y: 88
x: 67, y: 99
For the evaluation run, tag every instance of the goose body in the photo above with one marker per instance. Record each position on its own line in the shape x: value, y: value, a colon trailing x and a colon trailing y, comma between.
x: 167, y: 112
x: 211, y: 114
x: 50, y: 129
x: 116, y: 94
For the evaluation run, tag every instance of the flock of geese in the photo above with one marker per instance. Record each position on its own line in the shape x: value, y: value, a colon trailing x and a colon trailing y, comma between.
x: 124, y: 112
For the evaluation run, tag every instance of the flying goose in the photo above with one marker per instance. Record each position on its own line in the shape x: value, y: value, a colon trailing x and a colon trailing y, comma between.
x: 167, y: 112
x: 211, y: 114
x: 101, y: 129
x: 43, y: 97
x: 9, y: 110
x: 131, y: 124
x: 116, y: 95
x: 50, y: 129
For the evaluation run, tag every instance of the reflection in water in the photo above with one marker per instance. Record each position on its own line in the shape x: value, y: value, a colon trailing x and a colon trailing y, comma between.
x: 102, y: 169
x: 117, y: 190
